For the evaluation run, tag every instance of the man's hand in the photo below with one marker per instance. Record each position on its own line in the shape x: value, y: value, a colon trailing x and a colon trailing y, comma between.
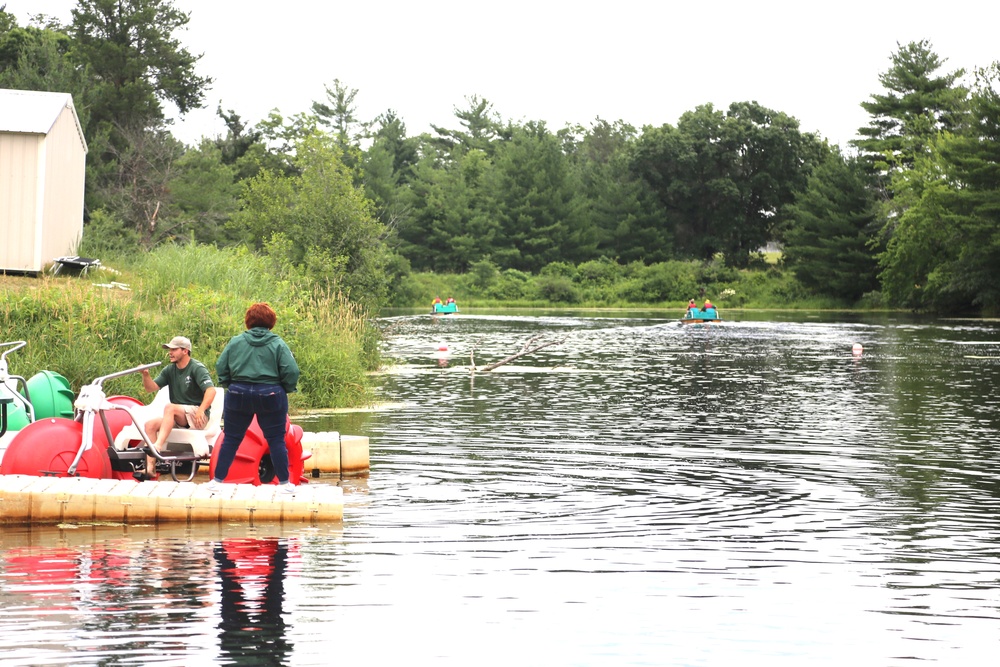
x: 147, y: 381
x: 198, y: 419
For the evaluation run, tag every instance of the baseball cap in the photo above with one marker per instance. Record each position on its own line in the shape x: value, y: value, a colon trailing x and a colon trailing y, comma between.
x: 178, y: 341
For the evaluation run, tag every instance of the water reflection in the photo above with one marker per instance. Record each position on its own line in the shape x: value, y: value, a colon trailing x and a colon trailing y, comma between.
x: 172, y: 595
x: 252, y: 574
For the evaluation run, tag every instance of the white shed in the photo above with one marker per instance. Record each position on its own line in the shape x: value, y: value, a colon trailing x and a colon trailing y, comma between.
x: 42, y: 168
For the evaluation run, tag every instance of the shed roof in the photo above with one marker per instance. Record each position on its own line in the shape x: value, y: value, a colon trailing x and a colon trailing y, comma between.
x: 35, y: 112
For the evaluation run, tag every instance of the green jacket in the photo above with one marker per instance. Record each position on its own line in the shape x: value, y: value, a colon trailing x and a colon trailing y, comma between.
x: 257, y: 356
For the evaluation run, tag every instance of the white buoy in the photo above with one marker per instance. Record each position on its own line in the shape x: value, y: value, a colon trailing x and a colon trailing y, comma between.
x: 857, y: 349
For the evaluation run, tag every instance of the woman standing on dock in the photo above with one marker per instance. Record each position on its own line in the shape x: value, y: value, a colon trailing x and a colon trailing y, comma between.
x: 259, y: 372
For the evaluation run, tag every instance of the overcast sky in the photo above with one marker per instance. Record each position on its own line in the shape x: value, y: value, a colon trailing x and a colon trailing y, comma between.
x: 563, y: 62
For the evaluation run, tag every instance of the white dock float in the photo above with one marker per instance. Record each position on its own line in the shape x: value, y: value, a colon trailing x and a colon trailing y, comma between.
x: 29, y: 500
x: 335, y: 453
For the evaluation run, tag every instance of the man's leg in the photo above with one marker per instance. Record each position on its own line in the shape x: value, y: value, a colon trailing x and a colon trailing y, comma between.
x: 152, y: 428
x: 173, y: 415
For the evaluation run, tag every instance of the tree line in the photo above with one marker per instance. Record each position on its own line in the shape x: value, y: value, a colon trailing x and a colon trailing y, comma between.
x: 907, y: 215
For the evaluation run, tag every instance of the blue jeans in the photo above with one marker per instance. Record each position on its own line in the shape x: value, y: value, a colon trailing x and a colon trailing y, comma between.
x: 269, y: 403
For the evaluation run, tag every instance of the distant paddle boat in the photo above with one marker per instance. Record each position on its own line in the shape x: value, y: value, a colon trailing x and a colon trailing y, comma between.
x: 701, y: 316
x: 444, y: 308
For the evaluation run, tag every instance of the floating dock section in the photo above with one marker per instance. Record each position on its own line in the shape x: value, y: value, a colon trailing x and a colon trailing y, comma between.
x: 335, y: 453
x: 29, y: 500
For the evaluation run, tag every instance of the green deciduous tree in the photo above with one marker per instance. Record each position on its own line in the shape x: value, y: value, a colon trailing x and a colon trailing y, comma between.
x: 205, y: 190
x: 237, y: 146
x: 318, y: 221
x: 724, y: 179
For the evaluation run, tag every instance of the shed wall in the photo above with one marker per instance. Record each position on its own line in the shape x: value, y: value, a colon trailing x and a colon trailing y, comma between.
x: 20, y: 203
x: 65, y: 165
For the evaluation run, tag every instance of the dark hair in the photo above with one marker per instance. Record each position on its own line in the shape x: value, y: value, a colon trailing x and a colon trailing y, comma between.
x: 260, y: 315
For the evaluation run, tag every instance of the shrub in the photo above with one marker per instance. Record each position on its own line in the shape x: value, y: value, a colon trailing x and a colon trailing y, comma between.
x: 484, y: 273
x: 599, y: 272
x: 563, y: 269
x: 511, y: 286
x: 556, y: 289
x: 667, y: 281
x: 714, y: 272
x: 104, y: 235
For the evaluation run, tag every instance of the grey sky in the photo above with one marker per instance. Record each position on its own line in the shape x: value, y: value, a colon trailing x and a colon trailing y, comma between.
x: 563, y: 62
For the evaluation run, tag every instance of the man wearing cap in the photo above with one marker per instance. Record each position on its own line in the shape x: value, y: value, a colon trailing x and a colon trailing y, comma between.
x: 191, y: 395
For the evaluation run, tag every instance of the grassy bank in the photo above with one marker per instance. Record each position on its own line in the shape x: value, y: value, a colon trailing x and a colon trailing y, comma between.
x: 77, y: 328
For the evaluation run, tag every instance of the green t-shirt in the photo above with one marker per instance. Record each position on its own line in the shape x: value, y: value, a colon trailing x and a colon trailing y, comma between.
x: 187, y: 385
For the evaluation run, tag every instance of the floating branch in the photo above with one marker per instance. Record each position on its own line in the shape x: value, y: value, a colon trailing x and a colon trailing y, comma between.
x: 530, y: 346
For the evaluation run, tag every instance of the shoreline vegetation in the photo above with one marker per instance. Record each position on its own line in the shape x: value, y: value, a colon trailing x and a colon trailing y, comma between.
x: 606, y: 284
x: 86, y: 326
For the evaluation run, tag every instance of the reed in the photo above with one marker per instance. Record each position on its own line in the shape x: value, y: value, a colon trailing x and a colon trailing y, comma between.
x: 335, y: 341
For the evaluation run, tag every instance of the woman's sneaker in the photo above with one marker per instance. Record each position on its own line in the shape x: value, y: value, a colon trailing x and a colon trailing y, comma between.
x: 286, y: 489
x: 214, y: 485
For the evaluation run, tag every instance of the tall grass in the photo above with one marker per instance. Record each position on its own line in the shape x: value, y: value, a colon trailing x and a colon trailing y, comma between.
x: 83, y: 331
x: 338, y: 346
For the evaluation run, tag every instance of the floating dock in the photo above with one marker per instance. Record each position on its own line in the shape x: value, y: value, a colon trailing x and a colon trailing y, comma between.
x: 29, y: 500
x: 335, y: 453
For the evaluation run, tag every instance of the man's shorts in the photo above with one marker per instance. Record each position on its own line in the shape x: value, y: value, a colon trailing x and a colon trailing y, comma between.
x: 189, y: 411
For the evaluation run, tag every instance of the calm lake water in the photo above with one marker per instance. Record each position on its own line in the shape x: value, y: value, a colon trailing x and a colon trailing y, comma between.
x: 637, y: 494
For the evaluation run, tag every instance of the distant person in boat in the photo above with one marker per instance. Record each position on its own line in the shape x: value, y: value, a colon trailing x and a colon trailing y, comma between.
x: 259, y: 372
x: 191, y: 395
x: 691, y: 306
x: 450, y: 300
x: 435, y: 303
x: 709, y: 309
